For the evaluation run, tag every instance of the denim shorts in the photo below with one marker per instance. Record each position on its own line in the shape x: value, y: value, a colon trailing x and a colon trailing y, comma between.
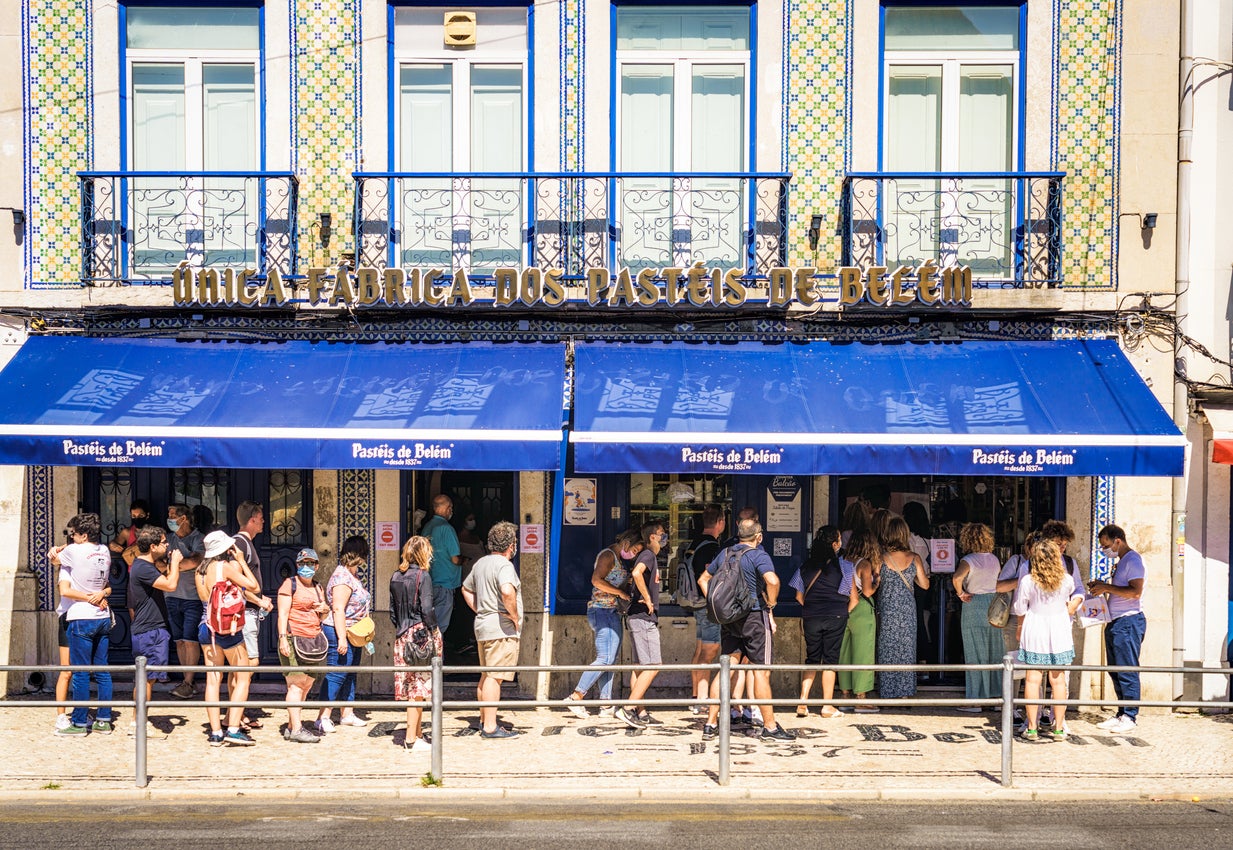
x: 207, y: 638
x: 183, y: 617
x: 154, y: 645
x: 705, y: 628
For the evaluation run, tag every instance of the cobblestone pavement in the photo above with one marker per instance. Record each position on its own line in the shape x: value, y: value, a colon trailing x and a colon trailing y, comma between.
x: 915, y: 753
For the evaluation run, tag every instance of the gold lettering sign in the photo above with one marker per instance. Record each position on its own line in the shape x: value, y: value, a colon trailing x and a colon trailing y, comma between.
x: 926, y: 284
x: 697, y: 286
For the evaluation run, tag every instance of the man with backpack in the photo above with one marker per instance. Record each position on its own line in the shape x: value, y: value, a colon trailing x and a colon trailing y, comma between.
x: 698, y: 557
x: 747, y: 621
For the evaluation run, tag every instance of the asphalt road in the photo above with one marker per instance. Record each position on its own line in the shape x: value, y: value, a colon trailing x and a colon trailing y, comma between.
x: 501, y: 825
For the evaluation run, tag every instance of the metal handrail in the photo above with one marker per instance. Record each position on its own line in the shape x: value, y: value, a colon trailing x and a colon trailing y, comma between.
x: 1008, y: 701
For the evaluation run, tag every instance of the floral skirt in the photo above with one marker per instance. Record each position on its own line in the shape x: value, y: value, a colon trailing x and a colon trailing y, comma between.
x: 408, y: 685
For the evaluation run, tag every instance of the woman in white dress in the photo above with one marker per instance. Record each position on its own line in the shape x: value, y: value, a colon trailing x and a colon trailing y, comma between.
x: 1044, y: 606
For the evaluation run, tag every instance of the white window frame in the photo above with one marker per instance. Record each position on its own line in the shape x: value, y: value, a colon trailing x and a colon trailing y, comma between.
x: 460, y: 83
x: 951, y: 64
x: 194, y: 94
x: 683, y: 64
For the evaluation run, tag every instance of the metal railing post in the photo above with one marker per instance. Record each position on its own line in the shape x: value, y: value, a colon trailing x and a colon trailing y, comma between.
x: 725, y: 718
x: 139, y: 717
x: 1008, y: 717
x: 438, y: 683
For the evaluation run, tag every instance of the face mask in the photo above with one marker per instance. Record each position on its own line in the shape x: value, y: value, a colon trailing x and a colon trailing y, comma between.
x: 306, y: 571
x: 139, y: 519
x: 626, y: 554
x: 470, y: 525
x: 173, y: 525
x: 1108, y: 551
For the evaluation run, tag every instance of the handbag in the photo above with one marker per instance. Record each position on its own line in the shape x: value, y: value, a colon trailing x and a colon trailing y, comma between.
x: 418, y: 647
x: 311, y: 651
x: 999, y: 610
x: 361, y: 631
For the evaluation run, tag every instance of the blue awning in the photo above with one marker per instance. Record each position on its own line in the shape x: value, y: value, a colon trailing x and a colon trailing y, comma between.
x: 970, y: 408
x: 312, y: 405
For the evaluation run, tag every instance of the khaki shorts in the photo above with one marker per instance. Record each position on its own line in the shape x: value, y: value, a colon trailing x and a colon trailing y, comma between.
x: 502, y: 652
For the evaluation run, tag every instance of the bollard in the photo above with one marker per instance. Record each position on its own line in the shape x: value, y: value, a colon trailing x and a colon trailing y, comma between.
x: 139, y: 717
x: 725, y: 717
x: 438, y: 731
x: 1008, y: 716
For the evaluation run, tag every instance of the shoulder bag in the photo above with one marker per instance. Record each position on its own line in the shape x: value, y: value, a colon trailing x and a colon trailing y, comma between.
x: 418, y: 647
x: 310, y: 651
x: 999, y: 610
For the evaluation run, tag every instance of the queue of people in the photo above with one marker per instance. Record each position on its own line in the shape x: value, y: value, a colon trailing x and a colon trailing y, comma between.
x: 856, y: 589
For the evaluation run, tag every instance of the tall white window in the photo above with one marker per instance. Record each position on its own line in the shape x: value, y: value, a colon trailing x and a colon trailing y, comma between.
x: 461, y: 110
x: 193, y: 106
x: 951, y: 105
x: 682, y: 106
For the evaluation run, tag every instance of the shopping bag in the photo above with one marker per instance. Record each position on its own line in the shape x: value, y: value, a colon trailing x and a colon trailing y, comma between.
x: 1093, y: 612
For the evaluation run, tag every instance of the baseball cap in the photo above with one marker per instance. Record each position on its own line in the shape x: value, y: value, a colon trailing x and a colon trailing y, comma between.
x: 307, y: 555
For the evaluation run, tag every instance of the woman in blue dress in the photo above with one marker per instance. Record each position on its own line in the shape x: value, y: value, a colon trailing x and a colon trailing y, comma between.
x: 900, y: 572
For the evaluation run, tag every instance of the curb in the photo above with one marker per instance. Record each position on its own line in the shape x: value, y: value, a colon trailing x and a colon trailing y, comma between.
x: 207, y: 796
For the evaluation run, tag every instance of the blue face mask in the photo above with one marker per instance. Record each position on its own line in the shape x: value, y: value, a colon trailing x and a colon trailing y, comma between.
x: 173, y: 525
x: 306, y: 571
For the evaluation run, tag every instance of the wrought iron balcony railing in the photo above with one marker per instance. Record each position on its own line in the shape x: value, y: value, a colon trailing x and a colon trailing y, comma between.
x: 571, y: 221
x: 1005, y: 226
x: 137, y: 226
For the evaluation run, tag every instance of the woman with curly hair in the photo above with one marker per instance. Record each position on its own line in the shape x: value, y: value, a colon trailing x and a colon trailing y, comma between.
x: 976, y: 580
x: 1044, y: 606
x: 411, y: 604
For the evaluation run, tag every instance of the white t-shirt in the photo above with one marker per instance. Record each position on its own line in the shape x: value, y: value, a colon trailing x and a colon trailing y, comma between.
x: 1017, y: 567
x: 1130, y: 567
x: 983, y: 568
x: 86, y: 566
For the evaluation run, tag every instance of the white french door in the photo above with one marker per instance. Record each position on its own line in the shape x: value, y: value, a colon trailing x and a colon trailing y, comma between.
x: 682, y: 106
x: 951, y: 115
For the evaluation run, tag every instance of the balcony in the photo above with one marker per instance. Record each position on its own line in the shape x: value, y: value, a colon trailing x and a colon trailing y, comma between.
x: 571, y: 221
x: 137, y: 226
x: 1005, y: 226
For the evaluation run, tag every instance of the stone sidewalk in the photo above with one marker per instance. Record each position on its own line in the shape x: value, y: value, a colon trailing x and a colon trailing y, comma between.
x: 918, y: 753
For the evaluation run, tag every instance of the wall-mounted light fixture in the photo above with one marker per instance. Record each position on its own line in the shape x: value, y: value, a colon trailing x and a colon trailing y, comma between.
x: 19, y: 216
x: 1147, y: 221
x: 815, y: 230
x: 325, y: 228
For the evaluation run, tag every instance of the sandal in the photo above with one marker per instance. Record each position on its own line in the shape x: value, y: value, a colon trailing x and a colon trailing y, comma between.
x: 802, y: 711
x: 1030, y: 735
x: 830, y: 711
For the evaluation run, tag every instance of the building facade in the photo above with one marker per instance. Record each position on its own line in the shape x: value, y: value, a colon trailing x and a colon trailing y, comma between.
x: 712, y: 225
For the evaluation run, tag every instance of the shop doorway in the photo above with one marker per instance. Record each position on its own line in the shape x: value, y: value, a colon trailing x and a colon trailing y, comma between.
x: 284, y: 493
x: 485, y: 497
x: 1010, y: 506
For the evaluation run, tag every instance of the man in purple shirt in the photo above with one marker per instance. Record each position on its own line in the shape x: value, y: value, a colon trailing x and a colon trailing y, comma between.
x: 1127, y: 625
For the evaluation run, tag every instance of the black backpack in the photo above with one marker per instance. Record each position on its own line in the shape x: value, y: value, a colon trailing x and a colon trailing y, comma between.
x: 728, y: 599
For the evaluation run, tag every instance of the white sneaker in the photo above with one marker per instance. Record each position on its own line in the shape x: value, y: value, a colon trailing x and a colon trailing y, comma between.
x: 421, y: 746
x: 1110, y: 722
x: 579, y: 711
x: 62, y: 722
x: 607, y: 711
x: 755, y: 714
x: 325, y: 726
x: 352, y: 720
x: 1123, y: 725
